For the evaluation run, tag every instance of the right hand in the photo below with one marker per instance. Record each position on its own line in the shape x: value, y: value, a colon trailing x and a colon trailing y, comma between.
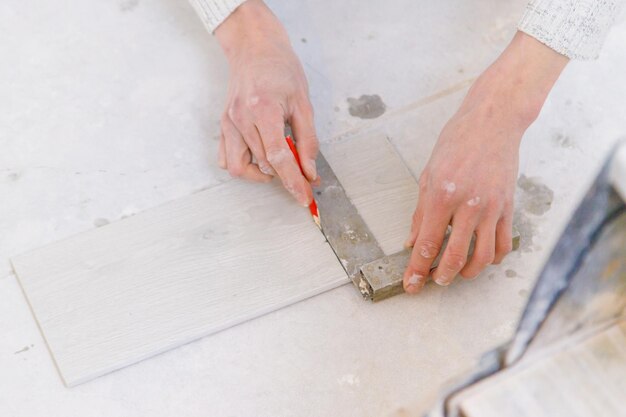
x: 267, y: 88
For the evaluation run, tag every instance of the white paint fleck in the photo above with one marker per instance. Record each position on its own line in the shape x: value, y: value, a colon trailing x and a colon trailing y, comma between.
x: 279, y: 156
x: 473, y: 201
x: 415, y: 278
x: 349, y: 379
x: 426, y: 252
x: 253, y: 101
x: 449, y: 187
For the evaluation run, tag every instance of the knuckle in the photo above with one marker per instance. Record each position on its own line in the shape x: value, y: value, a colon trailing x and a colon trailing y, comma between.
x: 483, y: 258
x: 266, y: 108
x: 258, y: 103
x: 441, y: 198
x: 494, y: 206
x: 428, y: 249
x: 235, y: 112
x: 277, y: 156
x: 455, y: 260
x: 253, y: 99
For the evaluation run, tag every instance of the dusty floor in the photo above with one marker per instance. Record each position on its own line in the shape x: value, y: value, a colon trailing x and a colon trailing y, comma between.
x: 109, y: 108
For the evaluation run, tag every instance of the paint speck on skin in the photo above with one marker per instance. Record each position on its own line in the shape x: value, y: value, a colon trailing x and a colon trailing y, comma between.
x: 537, y: 197
x: 253, y: 101
x: 473, y: 201
x: 427, y: 252
x: 100, y: 221
x: 449, y: 187
x: 349, y: 379
x: 277, y: 157
x: 510, y: 273
x: 415, y: 279
x: 366, y: 107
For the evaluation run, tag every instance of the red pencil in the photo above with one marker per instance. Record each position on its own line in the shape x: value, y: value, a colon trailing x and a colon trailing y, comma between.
x: 313, y: 205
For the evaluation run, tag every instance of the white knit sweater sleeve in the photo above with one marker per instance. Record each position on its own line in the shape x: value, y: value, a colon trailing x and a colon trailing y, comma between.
x: 214, y: 12
x: 574, y: 28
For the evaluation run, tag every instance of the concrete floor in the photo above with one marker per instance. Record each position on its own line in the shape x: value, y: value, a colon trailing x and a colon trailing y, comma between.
x: 109, y: 108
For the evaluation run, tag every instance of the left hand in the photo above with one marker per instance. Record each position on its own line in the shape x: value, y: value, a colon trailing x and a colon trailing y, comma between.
x: 469, y: 181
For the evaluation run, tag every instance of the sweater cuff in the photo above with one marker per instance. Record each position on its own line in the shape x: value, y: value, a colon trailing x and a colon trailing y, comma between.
x: 574, y: 28
x: 214, y: 12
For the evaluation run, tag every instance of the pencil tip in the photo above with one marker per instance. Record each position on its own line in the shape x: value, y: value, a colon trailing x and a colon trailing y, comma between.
x: 317, y: 221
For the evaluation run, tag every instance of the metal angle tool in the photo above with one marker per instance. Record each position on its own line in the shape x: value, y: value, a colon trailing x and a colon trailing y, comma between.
x: 375, y: 275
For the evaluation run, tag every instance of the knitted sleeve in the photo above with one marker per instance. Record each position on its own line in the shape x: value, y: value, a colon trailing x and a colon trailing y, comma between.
x: 214, y: 12
x: 574, y: 28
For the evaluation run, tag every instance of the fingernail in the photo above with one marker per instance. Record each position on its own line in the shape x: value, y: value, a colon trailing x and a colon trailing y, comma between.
x: 408, y: 244
x: 415, y: 282
x: 443, y: 281
x: 311, y: 168
x: 266, y: 168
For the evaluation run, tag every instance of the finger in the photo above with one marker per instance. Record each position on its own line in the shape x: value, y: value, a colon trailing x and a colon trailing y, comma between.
x: 252, y: 138
x: 426, y: 249
x: 271, y: 127
x: 504, y: 238
x: 306, y: 138
x: 238, y: 157
x: 221, y: 153
x: 455, y: 255
x: 484, y: 249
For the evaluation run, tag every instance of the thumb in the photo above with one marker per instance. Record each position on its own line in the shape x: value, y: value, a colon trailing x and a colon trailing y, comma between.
x: 306, y: 139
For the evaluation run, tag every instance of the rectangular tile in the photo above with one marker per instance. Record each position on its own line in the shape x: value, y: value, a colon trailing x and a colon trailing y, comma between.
x: 118, y: 294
